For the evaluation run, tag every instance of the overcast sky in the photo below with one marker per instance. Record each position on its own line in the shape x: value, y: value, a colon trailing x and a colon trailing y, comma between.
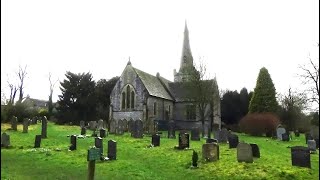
x: 233, y: 38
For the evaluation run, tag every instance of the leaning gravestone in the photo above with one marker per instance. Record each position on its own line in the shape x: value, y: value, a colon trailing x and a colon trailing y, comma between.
x: 280, y: 131
x: 100, y: 124
x: 112, y: 129
x: 73, y: 141
x: 120, y: 129
x: 171, y: 131
x: 112, y: 149
x: 98, y: 143
x: 183, y: 141
x: 285, y: 137
x: 195, y: 135
x: 255, y: 150
x: 25, y: 125
x: 14, y: 123
x: 300, y: 156
x: 138, y: 129
x: 209, y: 140
x: 37, y: 141
x: 44, y: 127
x: 83, y: 130
x: 82, y: 124
x: 103, y: 133
x: 244, y: 153
x: 312, y: 145
x: 5, y: 140
x: 155, y: 141
x: 233, y: 140
x: 210, y: 151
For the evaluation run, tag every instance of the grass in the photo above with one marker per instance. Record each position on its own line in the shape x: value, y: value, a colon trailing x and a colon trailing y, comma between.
x: 136, y: 161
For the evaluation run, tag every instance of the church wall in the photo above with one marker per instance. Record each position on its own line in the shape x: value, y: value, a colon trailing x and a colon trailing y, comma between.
x: 161, y: 107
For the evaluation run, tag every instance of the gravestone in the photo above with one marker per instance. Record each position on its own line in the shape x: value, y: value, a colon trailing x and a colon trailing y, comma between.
x: 44, y: 127
x: 25, y: 125
x: 125, y: 125
x: 103, y: 133
x: 255, y: 150
x: 138, y: 129
x: 156, y: 126
x: 5, y: 140
x: 171, y: 130
x: 92, y: 125
x: 195, y: 135
x: 233, y: 140
x: 112, y: 149
x: 83, y: 130
x: 183, y: 140
x: 308, y: 137
x: 312, y: 145
x: 98, y: 143
x: 223, y: 135
x: 73, y: 141
x: 14, y: 123
x: 285, y: 137
x: 280, y: 131
x: 194, y: 159
x: 216, y: 134
x: 210, y: 151
x: 296, y: 133
x: 100, y: 124
x: 314, y: 131
x: 131, y: 126
x: 206, y: 130
x: 244, y: 153
x: 120, y: 129
x: 300, y: 156
x: 155, y: 141
x: 82, y: 124
x: 209, y: 140
x: 37, y: 141
x: 112, y: 129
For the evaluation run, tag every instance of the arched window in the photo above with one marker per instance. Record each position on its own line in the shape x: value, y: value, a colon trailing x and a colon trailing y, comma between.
x: 132, y: 99
x: 123, y: 102
x: 128, y: 96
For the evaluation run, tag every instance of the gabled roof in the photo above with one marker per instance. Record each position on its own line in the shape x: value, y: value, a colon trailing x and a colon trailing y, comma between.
x: 153, y: 85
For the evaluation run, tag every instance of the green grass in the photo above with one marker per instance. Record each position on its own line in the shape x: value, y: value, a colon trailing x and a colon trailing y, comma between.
x: 136, y: 161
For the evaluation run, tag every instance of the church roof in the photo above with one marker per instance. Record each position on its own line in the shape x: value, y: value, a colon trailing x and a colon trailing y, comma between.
x: 154, y: 85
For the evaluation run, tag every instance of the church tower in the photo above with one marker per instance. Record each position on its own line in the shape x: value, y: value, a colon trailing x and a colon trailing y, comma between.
x: 186, y: 61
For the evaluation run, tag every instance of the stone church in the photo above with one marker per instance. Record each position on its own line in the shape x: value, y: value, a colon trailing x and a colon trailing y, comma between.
x: 139, y: 95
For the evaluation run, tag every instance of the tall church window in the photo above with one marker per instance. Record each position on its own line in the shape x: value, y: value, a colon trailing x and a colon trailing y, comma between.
x: 128, y: 96
x: 132, y: 99
x: 154, y: 108
x: 191, y: 112
x: 123, y: 102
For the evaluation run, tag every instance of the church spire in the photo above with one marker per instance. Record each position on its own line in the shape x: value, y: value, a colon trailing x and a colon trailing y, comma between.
x: 186, y: 56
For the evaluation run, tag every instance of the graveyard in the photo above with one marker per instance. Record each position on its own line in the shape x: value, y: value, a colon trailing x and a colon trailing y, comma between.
x: 136, y: 158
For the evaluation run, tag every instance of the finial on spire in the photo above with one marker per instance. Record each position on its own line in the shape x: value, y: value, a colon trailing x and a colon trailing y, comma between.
x: 129, y: 62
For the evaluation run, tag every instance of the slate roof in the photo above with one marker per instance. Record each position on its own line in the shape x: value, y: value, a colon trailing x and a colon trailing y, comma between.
x: 154, y: 85
x: 179, y: 91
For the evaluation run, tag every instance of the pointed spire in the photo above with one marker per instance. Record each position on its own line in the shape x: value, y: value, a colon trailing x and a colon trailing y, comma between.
x: 129, y: 62
x: 186, y: 57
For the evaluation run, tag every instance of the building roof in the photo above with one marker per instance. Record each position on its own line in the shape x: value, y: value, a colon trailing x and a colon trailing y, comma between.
x: 154, y: 85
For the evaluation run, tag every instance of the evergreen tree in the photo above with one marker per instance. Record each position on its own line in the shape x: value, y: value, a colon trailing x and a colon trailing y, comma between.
x: 264, y: 95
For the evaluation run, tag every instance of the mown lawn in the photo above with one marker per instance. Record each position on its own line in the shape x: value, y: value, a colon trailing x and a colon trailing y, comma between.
x: 136, y: 161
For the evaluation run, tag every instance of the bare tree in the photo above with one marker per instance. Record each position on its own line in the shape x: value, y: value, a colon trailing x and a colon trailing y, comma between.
x: 22, y: 73
x: 310, y: 77
x: 50, y: 103
x: 13, y: 90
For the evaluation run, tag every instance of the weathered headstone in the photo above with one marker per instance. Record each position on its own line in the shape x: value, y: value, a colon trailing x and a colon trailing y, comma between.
x: 312, y: 145
x: 37, y: 141
x: 125, y: 125
x: 112, y: 149
x: 25, y: 125
x: 280, y: 131
x: 183, y: 140
x: 255, y: 150
x: 195, y: 135
x: 5, y: 140
x: 82, y: 124
x: 73, y: 141
x: 285, y: 137
x: 171, y: 130
x: 120, y: 129
x: 92, y: 125
x: 216, y: 134
x: 244, y: 153
x: 100, y: 124
x: 14, y: 123
x: 113, y: 124
x: 314, y: 131
x: 300, y: 156
x: 209, y: 140
x: 83, y: 130
x: 206, y: 130
x: 210, y: 151
x: 98, y: 143
x: 155, y: 141
x: 131, y: 126
x: 138, y: 129
x: 44, y: 127
x: 308, y: 137
x: 102, y: 133
x: 233, y: 140
x: 224, y: 133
